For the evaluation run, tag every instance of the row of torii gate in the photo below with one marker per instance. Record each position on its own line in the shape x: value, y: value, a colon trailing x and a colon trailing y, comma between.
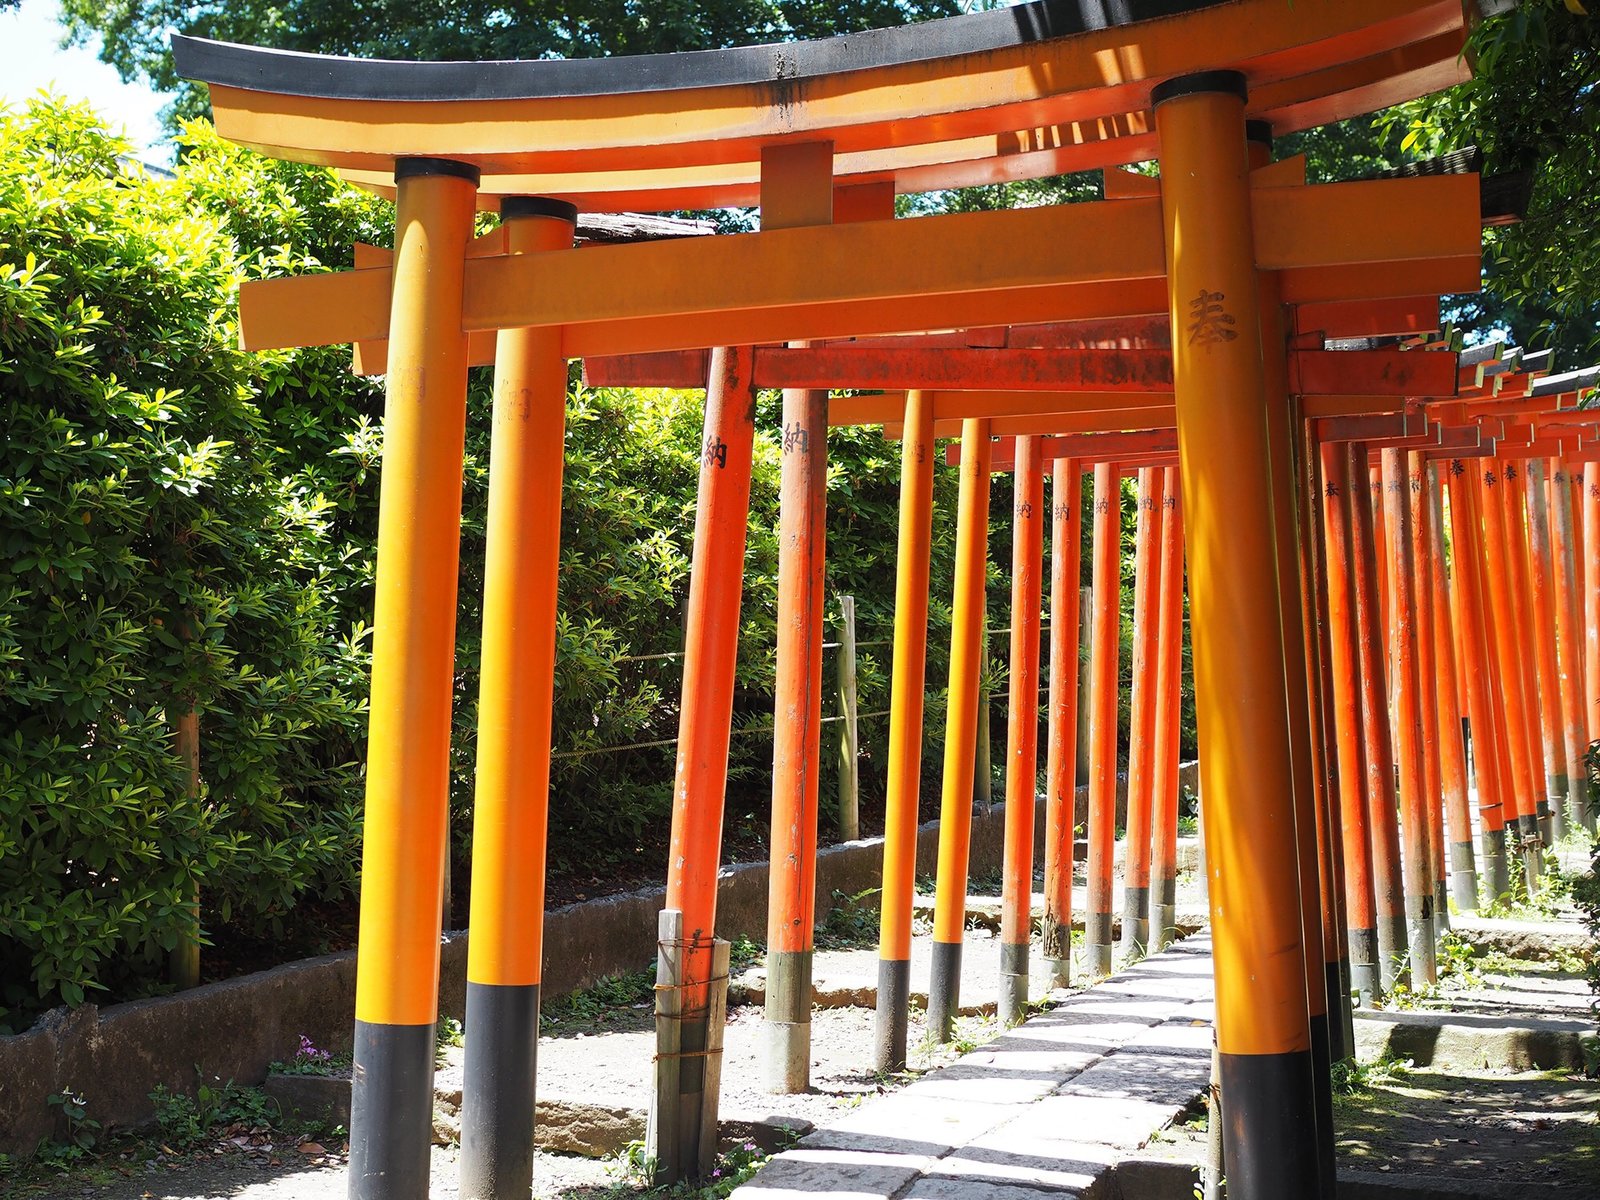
x: 1180, y: 326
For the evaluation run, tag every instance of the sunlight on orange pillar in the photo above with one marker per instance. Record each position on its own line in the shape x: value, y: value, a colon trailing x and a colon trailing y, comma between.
x: 1503, y: 617
x: 1022, y: 735
x: 1382, y: 816
x: 413, y: 660
x: 1141, y: 728
x: 1569, y: 640
x: 1429, y: 678
x: 1530, y: 822
x: 1591, y: 594
x: 1541, y: 573
x: 710, y: 657
x: 1484, y: 716
x: 796, y: 189
x: 1103, y: 718
x: 961, y: 727
x: 1168, y: 720
x: 1262, y: 1017
x: 1344, y: 667
x: 905, y: 733
x: 1061, y: 765
x: 1417, y: 863
x: 1452, y: 755
x: 511, y: 797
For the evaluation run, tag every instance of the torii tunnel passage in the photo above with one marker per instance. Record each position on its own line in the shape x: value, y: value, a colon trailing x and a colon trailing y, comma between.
x: 1034, y: 90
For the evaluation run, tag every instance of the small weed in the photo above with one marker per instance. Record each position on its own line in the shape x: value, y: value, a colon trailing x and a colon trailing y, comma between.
x: 188, y: 1121
x: 744, y: 953
x: 851, y: 923
x: 732, y: 1168
x: 1356, y: 1077
x: 310, y: 1060
x: 81, y: 1131
x: 449, y: 1036
x: 601, y: 1003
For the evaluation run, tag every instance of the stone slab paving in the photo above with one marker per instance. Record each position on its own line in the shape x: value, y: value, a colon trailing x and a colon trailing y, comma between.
x: 1046, y: 1107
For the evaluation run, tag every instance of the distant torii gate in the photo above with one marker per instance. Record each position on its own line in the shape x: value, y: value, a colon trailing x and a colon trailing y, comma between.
x: 932, y: 106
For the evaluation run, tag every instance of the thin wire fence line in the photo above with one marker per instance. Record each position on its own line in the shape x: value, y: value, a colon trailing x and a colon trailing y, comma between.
x: 752, y: 729
x: 671, y: 654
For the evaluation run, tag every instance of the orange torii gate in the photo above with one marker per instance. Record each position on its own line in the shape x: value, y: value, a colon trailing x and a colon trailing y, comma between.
x: 934, y: 106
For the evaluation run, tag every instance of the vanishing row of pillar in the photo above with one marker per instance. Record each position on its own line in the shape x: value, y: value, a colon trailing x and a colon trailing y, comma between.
x: 1272, y: 858
x: 1491, y: 647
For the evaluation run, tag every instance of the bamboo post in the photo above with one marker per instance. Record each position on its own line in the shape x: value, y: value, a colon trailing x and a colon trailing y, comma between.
x: 711, y: 1089
x: 183, y: 964
x: 849, y: 743
x: 983, y: 754
x: 663, y: 1134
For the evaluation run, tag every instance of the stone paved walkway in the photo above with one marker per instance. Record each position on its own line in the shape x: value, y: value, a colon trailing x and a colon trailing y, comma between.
x: 1048, y: 1106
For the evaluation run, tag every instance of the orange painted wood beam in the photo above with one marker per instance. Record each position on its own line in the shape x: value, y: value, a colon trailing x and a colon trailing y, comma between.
x: 808, y: 273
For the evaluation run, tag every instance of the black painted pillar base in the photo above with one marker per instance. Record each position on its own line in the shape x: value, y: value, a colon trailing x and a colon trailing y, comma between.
x: 391, y: 1111
x: 1013, y: 982
x: 1097, y: 944
x: 1322, y: 1098
x: 1135, y: 922
x: 1269, y: 1126
x: 944, y: 991
x: 1496, y: 872
x: 1057, y: 938
x: 497, y: 1096
x: 1366, y: 978
x: 890, y: 1032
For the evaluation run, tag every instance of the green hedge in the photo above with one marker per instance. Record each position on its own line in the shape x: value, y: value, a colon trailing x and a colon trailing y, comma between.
x: 183, y: 524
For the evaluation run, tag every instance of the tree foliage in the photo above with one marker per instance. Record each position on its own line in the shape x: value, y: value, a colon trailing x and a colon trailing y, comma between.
x: 1531, y: 106
x: 157, y: 559
x: 134, y: 33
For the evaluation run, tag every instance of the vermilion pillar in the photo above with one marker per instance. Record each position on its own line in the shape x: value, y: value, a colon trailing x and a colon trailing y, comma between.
x: 1382, y: 818
x: 1103, y: 718
x: 1429, y: 678
x: 905, y: 732
x: 1591, y: 594
x: 796, y: 189
x: 1569, y: 639
x: 1168, y: 721
x: 1417, y: 866
x: 413, y: 658
x: 710, y: 658
x: 1471, y: 611
x: 1541, y: 571
x: 1452, y: 755
x: 512, y: 793
x: 1061, y: 766
x: 1505, y: 644
x: 961, y: 728
x: 1141, y: 736
x: 1262, y: 1018
x: 1345, y: 669
x: 1022, y: 738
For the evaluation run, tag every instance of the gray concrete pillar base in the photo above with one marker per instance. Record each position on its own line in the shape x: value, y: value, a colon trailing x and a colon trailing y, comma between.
x: 1013, y: 1007
x: 944, y: 991
x: 890, y: 1031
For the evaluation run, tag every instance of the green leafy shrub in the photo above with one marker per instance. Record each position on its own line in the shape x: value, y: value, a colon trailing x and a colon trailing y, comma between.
x: 157, y: 561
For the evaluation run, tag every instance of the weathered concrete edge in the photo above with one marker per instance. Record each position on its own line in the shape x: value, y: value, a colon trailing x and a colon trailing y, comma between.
x: 233, y: 1030
x: 1135, y: 1178
x: 1444, y: 1039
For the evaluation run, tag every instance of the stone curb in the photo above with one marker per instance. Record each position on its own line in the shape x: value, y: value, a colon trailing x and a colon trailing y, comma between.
x: 1467, y: 1042
x: 233, y: 1030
